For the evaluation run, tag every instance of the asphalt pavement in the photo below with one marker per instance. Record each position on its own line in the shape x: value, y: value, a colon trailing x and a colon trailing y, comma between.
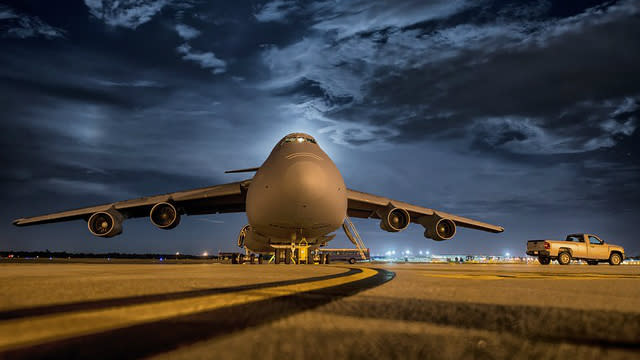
x: 390, y: 311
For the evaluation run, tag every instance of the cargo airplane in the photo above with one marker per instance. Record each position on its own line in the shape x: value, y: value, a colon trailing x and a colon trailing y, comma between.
x: 297, y: 195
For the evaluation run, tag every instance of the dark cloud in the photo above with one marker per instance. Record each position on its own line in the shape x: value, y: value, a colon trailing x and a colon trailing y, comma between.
x: 125, y: 13
x: 18, y: 25
x: 519, y: 113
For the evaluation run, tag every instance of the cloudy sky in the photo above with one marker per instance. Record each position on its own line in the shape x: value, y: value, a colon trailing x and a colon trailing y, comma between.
x: 519, y: 113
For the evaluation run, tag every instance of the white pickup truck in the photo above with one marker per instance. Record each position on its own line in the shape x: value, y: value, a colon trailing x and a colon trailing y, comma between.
x: 587, y: 247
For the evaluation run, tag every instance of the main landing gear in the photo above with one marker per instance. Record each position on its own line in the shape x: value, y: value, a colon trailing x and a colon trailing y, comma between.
x: 250, y: 259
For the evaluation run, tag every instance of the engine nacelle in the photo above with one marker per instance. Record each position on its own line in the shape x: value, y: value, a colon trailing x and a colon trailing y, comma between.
x: 106, y: 223
x: 438, y: 228
x: 164, y: 215
x: 393, y: 219
x: 242, y: 236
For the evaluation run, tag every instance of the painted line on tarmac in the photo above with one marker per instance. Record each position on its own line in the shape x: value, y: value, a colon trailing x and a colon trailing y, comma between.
x: 534, y: 276
x: 144, y: 299
x: 89, y: 331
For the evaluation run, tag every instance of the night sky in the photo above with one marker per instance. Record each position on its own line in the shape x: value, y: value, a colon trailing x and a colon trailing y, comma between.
x: 518, y: 113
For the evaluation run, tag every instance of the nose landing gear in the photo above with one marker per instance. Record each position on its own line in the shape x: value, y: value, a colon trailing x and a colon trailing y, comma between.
x: 299, y: 253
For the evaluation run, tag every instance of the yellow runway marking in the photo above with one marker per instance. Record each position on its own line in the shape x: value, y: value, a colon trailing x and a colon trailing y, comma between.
x: 464, y: 276
x: 33, y: 330
x: 536, y: 276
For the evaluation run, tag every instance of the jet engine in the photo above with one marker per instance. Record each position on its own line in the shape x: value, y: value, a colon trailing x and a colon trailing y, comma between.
x: 393, y: 219
x: 106, y: 223
x: 242, y: 236
x: 164, y: 215
x: 438, y: 228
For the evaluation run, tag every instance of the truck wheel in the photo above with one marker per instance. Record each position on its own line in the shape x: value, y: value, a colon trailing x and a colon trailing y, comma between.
x: 564, y: 258
x: 278, y: 256
x: 352, y: 261
x: 592, y: 262
x: 615, y: 259
x: 543, y: 260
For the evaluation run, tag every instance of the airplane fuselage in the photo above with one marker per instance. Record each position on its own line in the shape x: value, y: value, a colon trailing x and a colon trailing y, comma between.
x: 298, y: 193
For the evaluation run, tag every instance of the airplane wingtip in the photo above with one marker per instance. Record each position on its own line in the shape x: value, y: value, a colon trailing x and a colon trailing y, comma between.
x: 254, y: 169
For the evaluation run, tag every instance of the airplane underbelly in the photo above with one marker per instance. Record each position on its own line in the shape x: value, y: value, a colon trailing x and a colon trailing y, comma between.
x: 258, y: 244
x: 287, y: 219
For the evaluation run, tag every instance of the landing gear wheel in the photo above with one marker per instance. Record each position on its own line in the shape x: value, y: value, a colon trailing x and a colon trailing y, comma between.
x: 287, y: 256
x: 592, y: 262
x: 278, y: 256
x: 252, y: 259
x: 564, y: 258
x: 260, y: 259
x: 615, y: 259
x: 352, y: 261
x: 240, y: 259
x: 544, y: 260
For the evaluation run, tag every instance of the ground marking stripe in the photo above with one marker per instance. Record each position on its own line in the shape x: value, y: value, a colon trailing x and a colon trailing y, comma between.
x: 30, y: 331
x: 533, y: 276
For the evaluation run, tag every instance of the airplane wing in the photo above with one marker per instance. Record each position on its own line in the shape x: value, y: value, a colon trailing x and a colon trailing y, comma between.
x: 363, y: 205
x: 208, y: 200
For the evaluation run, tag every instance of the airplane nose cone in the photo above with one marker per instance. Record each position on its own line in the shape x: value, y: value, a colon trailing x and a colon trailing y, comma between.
x: 305, y: 181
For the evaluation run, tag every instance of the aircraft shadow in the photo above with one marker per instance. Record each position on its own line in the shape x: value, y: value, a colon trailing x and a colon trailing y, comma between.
x: 143, y: 299
x: 157, y: 337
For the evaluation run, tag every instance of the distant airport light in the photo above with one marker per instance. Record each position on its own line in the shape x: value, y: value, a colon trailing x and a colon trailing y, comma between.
x: 205, y: 254
x: 407, y: 252
x: 420, y: 252
x: 427, y: 252
x: 507, y: 254
x: 393, y: 252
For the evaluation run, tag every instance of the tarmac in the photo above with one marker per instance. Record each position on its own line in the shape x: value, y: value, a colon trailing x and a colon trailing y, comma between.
x: 389, y: 311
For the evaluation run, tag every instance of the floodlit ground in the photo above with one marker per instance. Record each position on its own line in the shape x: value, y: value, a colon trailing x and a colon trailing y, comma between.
x: 313, y: 311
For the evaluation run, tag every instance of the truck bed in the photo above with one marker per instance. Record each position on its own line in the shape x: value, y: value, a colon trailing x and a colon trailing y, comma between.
x: 539, y: 244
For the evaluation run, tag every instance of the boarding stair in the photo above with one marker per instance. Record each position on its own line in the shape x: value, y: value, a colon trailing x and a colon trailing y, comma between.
x: 354, y: 236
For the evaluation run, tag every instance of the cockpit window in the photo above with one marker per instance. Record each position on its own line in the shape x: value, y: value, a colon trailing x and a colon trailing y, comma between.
x: 297, y: 139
